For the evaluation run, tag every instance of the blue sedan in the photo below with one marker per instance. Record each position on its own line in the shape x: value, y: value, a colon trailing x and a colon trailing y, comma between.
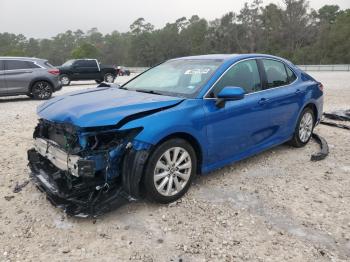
x: 98, y: 148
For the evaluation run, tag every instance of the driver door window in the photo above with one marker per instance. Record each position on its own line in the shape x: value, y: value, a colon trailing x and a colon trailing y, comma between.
x: 245, y: 74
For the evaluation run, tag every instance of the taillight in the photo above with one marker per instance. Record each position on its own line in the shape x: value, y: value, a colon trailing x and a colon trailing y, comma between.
x: 55, y: 71
x: 320, y: 86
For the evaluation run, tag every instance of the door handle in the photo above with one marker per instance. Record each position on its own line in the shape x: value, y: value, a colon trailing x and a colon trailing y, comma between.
x: 263, y: 101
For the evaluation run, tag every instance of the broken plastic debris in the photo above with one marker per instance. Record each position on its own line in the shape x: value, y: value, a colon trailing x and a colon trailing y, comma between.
x: 340, y: 115
x: 324, y: 148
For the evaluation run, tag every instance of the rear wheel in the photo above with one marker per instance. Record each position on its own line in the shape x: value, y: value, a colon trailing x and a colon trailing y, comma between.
x: 304, y: 128
x: 42, y: 90
x: 65, y: 80
x: 170, y: 170
x: 109, y: 78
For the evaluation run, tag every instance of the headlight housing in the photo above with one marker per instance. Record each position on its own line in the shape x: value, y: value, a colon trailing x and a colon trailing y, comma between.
x: 105, y: 140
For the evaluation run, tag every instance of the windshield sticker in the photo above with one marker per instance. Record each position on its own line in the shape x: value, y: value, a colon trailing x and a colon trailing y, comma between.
x: 197, y: 71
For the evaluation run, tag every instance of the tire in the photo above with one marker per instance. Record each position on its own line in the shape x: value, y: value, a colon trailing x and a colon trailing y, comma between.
x: 98, y: 81
x: 304, y: 128
x: 65, y: 80
x: 109, y: 78
x: 158, y: 189
x: 41, y: 90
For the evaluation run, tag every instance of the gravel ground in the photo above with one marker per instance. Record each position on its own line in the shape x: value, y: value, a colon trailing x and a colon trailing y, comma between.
x: 276, y: 206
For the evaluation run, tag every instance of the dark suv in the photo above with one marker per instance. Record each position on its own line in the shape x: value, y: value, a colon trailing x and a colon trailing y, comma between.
x: 33, y: 77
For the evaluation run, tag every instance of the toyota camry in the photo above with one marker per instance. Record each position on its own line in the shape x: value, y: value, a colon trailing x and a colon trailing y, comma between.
x: 98, y: 148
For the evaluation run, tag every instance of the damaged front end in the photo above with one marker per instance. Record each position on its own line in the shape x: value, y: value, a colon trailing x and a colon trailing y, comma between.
x: 87, y: 171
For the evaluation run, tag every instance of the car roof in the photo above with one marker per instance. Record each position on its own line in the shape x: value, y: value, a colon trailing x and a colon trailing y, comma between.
x: 21, y: 58
x: 230, y: 57
x: 82, y: 59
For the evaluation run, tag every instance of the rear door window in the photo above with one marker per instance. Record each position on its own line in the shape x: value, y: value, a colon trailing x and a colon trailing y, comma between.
x: 18, y: 64
x: 276, y: 74
x: 245, y: 74
x: 1, y: 65
x: 86, y: 63
x: 32, y: 64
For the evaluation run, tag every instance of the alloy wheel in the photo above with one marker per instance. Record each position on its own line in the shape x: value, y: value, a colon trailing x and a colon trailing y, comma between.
x: 305, y: 127
x: 172, y: 171
x: 42, y: 90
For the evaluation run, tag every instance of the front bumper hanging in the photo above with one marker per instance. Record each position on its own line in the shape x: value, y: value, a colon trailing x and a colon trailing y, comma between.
x: 85, y: 196
x: 82, y: 197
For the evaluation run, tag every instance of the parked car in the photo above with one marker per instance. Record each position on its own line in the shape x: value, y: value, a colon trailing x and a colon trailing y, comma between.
x: 123, y: 71
x: 86, y: 69
x: 33, y: 77
x: 96, y: 148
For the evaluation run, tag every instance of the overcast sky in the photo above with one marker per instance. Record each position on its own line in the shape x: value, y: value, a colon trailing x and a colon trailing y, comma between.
x: 46, y: 18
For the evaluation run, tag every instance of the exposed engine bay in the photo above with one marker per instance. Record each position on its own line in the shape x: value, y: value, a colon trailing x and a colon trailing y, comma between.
x: 87, y: 171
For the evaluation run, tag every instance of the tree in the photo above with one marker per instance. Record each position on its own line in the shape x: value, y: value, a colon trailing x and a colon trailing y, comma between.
x: 328, y: 13
x: 85, y: 50
x: 140, y: 26
x: 251, y: 23
x: 293, y: 31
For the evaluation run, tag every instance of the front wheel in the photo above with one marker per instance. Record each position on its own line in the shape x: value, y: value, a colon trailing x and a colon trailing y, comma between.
x: 170, y: 170
x: 304, y: 128
x: 109, y: 78
x: 42, y: 90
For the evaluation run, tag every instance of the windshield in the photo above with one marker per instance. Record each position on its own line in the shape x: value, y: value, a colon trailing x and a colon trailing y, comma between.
x: 175, y: 77
x: 68, y: 63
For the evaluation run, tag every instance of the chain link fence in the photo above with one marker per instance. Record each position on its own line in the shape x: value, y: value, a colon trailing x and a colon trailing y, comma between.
x: 325, y: 67
x: 345, y: 67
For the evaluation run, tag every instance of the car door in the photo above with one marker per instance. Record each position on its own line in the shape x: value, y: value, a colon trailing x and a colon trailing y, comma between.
x: 281, y: 97
x: 3, y: 89
x: 241, y: 127
x: 18, y: 75
x: 86, y: 70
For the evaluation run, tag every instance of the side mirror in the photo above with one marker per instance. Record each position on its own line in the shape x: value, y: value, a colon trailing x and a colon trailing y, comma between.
x: 229, y: 93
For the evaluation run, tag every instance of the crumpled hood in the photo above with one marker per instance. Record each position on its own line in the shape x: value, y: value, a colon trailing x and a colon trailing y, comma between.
x: 101, y: 106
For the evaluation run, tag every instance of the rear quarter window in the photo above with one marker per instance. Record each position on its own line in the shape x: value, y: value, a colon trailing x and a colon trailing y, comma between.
x: 291, y: 75
x: 48, y: 65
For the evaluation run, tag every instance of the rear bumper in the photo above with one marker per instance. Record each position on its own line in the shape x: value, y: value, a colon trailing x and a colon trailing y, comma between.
x: 57, y: 86
x: 84, y: 197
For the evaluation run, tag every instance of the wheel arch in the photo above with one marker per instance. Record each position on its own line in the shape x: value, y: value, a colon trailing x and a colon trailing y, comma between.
x: 314, y: 109
x: 36, y: 80
x: 129, y: 179
x: 191, y: 140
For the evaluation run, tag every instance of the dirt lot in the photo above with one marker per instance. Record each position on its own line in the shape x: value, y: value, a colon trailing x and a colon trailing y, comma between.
x: 277, y: 206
